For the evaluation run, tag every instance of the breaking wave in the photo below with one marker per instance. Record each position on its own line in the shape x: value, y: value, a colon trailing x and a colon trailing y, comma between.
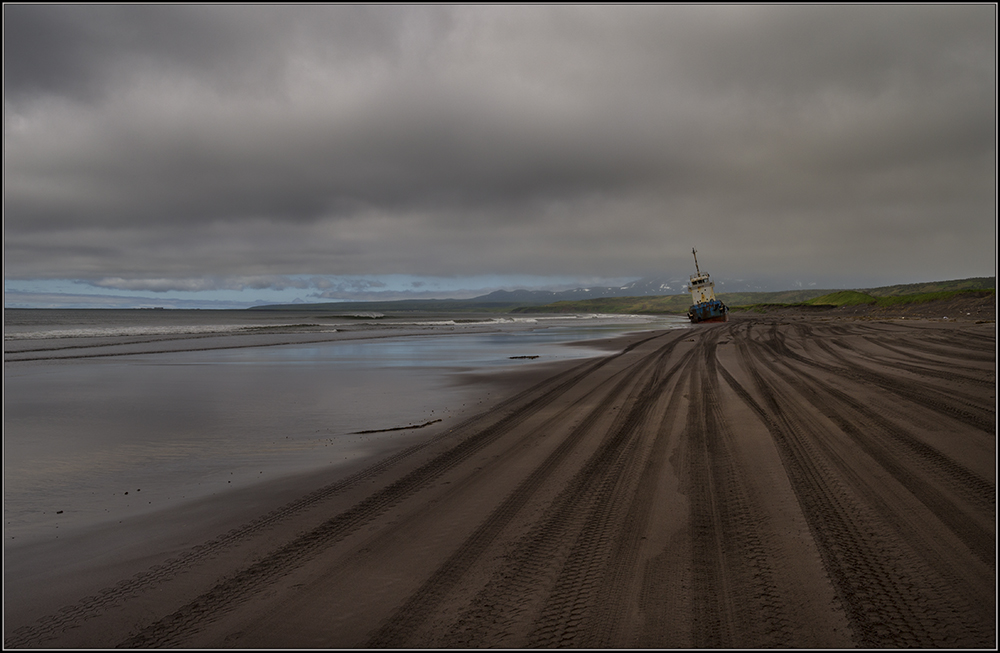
x: 155, y: 330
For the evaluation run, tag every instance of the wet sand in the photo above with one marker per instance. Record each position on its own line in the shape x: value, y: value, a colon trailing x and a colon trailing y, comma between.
x: 775, y: 481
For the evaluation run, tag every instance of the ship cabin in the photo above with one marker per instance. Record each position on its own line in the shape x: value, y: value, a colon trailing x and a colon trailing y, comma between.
x: 702, y: 288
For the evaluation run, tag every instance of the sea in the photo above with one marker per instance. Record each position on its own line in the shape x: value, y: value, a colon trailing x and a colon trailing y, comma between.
x: 110, y: 414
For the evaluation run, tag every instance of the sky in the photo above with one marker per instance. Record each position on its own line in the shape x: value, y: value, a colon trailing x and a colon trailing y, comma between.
x: 221, y: 155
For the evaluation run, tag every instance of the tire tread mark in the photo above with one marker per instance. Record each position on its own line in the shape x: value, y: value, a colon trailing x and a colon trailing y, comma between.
x: 916, y: 392
x: 406, y: 620
x: 234, y: 590
x: 736, y: 600
x: 49, y: 627
x: 970, y: 485
x: 876, y: 582
x: 565, y: 618
x: 526, y: 575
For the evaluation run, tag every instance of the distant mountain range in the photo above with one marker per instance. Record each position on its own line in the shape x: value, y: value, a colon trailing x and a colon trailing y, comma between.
x: 733, y: 291
x: 506, y: 298
x: 652, y: 286
x: 639, y: 288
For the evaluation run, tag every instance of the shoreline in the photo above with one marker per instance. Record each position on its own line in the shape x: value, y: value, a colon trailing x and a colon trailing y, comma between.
x: 100, y: 435
x: 468, y: 533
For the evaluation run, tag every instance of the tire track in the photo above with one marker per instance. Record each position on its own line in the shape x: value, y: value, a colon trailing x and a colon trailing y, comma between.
x: 230, y: 592
x: 567, y: 618
x: 893, y: 448
x: 735, y: 600
x: 610, y: 624
x: 959, y: 406
x: 852, y: 566
x: 968, y: 353
x: 880, y: 585
x: 959, y: 344
x: 406, y: 621
x: 918, y: 393
x: 927, y: 369
x: 506, y: 414
x: 902, y: 529
x: 516, y: 592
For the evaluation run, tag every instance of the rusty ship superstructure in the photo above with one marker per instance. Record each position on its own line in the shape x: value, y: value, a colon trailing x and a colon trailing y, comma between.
x: 704, y: 306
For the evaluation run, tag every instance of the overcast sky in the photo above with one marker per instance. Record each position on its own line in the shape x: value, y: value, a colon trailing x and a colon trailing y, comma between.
x: 317, y: 152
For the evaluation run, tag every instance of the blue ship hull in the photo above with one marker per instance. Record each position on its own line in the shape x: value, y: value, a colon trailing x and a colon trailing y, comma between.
x: 712, y: 311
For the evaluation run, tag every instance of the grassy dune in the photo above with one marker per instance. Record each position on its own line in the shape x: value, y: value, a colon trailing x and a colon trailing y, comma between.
x: 855, y: 298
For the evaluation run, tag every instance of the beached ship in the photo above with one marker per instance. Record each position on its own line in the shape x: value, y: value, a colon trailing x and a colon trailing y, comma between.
x: 705, y: 307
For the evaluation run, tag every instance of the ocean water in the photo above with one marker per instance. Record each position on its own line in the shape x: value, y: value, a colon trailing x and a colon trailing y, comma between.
x: 115, y: 413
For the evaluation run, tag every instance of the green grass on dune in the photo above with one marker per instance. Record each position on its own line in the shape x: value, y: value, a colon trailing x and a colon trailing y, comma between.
x: 919, y: 298
x: 842, y: 298
x: 855, y: 298
x: 972, y: 283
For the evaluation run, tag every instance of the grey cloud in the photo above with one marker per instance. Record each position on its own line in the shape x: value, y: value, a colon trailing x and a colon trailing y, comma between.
x: 350, y: 288
x: 217, y: 142
x: 321, y: 283
x: 329, y: 288
x: 371, y: 295
x: 88, y: 52
x: 784, y: 53
x: 199, y: 284
x: 16, y: 299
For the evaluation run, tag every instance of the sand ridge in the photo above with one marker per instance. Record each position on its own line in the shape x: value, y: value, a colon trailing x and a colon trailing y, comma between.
x: 774, y: 481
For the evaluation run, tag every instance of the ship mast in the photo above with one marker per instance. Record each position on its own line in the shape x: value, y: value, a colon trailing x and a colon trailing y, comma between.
x: 695, y: 252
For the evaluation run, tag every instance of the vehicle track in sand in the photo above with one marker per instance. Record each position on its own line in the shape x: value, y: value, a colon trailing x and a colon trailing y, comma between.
x: 229, y: 593
x: 761, y: 483
x: 909, y: 459
x: 737, y: 601
x: 506, y: 414
x: 948, y: 401
x: 896, y: 591
x: 527, y: 569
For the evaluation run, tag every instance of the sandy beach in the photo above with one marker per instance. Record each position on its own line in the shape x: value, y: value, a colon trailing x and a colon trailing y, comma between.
x: 775, y: 481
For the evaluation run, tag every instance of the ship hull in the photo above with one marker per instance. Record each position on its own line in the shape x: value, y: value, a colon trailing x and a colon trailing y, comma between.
x: 712, y: 311
x: 720, y: 318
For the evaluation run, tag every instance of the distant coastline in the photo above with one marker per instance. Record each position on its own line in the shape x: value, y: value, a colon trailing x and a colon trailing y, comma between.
x: 635, y: 298
x: 677, y: 304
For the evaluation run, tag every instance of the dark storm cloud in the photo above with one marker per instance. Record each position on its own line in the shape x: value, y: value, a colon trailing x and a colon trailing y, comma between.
x: 85, y: 52
x: 150, y: 143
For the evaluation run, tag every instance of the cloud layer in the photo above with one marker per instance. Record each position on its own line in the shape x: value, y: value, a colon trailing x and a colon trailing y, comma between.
x: 151, y: 145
